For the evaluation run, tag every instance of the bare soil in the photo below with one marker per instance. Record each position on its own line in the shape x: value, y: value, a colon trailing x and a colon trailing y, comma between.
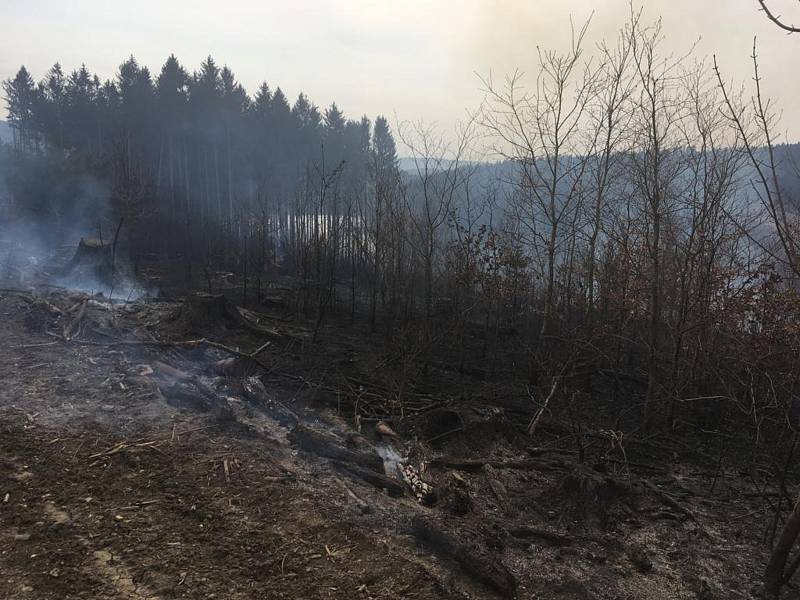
x: 110, y: 488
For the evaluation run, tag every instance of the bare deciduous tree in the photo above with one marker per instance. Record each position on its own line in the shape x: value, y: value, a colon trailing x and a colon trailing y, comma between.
x: 541, y: 131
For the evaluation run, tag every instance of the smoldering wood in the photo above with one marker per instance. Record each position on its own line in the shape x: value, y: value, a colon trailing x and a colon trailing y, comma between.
x: 184, y: 395
x: 188, y: 390
x: 328, y: 446
x: 382, y: 482
x: 256, y: 392
x: 359, y: 442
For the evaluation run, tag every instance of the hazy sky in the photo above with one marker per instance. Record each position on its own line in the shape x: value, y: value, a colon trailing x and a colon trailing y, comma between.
x: 415, y: 59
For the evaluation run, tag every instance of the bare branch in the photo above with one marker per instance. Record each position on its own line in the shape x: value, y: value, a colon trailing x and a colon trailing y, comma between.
x: 777, y: 18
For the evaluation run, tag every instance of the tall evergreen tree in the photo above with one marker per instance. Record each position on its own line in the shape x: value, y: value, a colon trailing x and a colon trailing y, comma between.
x: 52, y: 99
x: 20, y: 96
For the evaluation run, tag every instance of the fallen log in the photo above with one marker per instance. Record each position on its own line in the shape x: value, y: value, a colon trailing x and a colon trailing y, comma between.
x: 382, y: 482
x: 171, y: 373
x: 476, y: 562
x: 328, y: 446
x: 183, y: 395
x: 190, y: 391
x: 256, y: 392
x: 669, y: 500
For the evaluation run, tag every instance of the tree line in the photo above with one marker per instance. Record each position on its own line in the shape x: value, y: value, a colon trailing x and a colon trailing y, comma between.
x: 189, y: 156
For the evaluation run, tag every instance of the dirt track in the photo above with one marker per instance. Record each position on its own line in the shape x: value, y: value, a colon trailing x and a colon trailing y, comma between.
x: 108, y: 491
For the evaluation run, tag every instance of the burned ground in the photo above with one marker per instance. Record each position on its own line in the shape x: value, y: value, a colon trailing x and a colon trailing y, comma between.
x: 133, y: 468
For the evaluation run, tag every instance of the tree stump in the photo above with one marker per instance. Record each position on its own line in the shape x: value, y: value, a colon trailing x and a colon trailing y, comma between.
x: 92, y: 261
x: 206, y: 312
x: 203, y: 313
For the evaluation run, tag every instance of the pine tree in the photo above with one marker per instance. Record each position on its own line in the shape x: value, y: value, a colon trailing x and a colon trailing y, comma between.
x: 383, y: 144
x: 52, y: 100
x: 79, y: 107
x: 172, y: 94
x: 20, y: 96
x: 172, y: 90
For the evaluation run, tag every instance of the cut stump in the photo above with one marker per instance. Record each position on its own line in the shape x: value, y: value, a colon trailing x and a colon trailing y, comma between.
x: 201, y: 313
x: 92, y: 261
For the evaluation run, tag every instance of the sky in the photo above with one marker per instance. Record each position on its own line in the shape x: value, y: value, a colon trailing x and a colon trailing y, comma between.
x: 409, y: 60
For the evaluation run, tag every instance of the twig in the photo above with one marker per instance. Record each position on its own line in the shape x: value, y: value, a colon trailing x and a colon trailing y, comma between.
x: 73, y: 327
x: 538, y: 417
x: 124, y: 445
x: 114, y: 244
x: 445, y: 434
x: 113, y: 450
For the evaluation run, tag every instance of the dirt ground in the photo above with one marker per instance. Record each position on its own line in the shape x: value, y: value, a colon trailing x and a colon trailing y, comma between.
x: 111, y: 489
